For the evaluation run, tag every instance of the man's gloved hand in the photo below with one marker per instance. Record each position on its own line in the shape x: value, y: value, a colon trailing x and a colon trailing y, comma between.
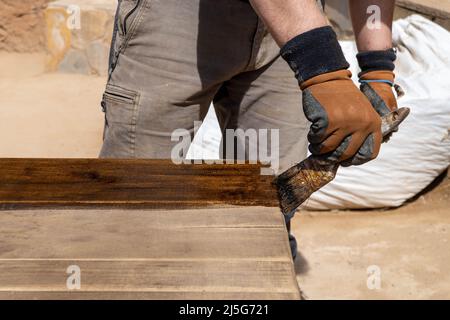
x: 377, y: 79
x: 344, y: 123
x: 345, y: 127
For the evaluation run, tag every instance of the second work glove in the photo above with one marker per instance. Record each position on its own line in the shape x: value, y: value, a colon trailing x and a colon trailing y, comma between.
x: 377, y: 79
x: 344, y: 126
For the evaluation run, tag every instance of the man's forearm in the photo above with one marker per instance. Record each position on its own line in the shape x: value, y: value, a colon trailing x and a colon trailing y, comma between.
x: 289, y: 18
x: 372, y: 31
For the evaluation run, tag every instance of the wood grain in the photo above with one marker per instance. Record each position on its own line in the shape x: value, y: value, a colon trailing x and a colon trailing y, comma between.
x: 133, y: 295
x: 149, y: 234
x: 131, y: 183
x: 182, y: 277
x: 234, y: 253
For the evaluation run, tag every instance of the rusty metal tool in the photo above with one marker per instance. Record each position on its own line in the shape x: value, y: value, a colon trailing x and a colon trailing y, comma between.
x: 298, y: 183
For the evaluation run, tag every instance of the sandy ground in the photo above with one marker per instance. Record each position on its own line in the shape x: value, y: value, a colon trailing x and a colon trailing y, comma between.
x: 56, y: 115
x: 48, y: 115
x: 409, y: 245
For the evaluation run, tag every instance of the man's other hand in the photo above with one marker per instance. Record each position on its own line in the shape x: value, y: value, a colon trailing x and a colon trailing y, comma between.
x: 345, y: 127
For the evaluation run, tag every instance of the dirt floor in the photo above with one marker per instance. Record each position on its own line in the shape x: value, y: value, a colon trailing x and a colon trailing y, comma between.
x: 48, y: 115
x: 409, y: 245
x: 56, y: 115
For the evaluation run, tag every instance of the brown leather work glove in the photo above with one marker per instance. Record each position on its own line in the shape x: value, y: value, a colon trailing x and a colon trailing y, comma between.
x: 344, y: 124
x: 378, y: 88
x: 377, y: 79
x: 345, y: 128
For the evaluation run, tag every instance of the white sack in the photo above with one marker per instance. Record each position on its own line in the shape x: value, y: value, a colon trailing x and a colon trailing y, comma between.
x: 416, y: 154
x: 420, y: 151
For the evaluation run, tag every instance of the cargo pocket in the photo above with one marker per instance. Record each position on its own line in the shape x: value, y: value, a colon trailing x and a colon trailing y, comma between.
x: 121, y: 107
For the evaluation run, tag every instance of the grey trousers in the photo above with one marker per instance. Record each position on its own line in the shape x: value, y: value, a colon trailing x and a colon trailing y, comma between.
x: 171, y: 59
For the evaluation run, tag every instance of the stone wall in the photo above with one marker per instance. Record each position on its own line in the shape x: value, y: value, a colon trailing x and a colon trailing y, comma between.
x: 338, y: 14
x: 79, y: 35
x: 22, y: 26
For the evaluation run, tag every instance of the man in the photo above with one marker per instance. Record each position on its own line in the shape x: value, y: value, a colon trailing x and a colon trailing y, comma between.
x: 171, y: 58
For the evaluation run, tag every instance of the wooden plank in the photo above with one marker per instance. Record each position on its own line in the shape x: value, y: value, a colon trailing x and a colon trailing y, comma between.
x: 76, y: 295
x: 168, y: 234
x: 270, y: 279
x: 144, y: 183
x: 235, y: 253
x: 434, y: 8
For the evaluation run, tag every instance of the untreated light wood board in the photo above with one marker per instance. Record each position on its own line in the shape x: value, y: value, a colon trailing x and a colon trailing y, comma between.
x: 144, y: 183
x: 234, y: 253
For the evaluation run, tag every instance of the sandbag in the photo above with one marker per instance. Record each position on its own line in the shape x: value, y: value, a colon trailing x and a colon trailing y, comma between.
x: 420, y: 151
x: 416, y: 154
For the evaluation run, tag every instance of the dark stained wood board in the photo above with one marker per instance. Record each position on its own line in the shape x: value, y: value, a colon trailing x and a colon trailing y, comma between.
x: 232, y: 253
x: 28, y: 183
